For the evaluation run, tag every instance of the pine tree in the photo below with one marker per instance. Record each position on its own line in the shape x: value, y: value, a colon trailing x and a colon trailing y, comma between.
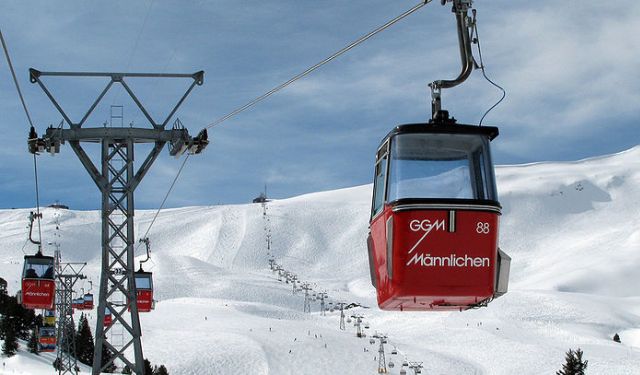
x: 106, y: 357
x: 84, y: 342
x: 161, y: 371
x: 10, y: 346
x: 147, y: 369
x: 616, y: 338
x: 574, y: 364
x: 33, y: 342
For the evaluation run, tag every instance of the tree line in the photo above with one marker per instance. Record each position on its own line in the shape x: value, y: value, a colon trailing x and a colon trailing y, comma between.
x: 16, y: 323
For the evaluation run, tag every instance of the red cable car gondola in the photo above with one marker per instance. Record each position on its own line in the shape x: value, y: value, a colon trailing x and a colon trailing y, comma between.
x: 433, y: 230
x: 144, y: 283
x: 87, y: 301
x: 144, y: 290
x: 108, y: 319
x: 47, y: 339
x: 38, y: 284
x: 434, y: 220
x: 77, y: 303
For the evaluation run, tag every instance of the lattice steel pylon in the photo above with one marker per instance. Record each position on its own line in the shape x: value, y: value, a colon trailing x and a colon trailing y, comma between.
x: 322, y: 296
x: 342, y: 324
x: 117, y: 182
x: 307, y: 299
x: 382, y: 362
x: 67, y: 274
x: 358, y: 324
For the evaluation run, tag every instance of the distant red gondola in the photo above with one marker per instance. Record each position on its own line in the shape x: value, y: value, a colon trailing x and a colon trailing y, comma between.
x: 144, y: 290
x: 77, y: 303
x: 88, y: 301
x: 38, y: 284
x: 108, y: 319
x: 47, y: 339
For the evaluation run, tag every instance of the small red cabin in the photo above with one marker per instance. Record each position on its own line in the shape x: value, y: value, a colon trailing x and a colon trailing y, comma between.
x: 144, y: 290
x: 87, y: 301
x: 38, y: 284
x: 108, y: 318
x: 433, y: 240
x: 47, y: 339
x: 77, y: 303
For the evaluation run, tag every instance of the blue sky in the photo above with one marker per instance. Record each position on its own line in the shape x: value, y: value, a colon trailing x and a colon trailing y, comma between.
x: 570, y: 70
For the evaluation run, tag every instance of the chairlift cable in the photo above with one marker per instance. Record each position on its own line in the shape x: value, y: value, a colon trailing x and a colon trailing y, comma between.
x: 15, y: 80
x: 318, y: 65
x: 135, y: 47
x: 26, y: 111
x: 287, y: 83
x: 155, y: 216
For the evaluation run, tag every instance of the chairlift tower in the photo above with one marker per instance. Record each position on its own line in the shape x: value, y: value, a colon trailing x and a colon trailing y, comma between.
x: 117, y: 180
x: 358, y: 324
x: 67, y: 274
x: 322, y: 296
x: 307, y: 298
x: 294, y: 281
x: 342, y: 324
x: 382, y: 364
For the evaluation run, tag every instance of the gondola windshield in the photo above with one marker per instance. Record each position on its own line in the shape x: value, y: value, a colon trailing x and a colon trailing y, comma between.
x: 447, y: 166
x: 143, y: 280
x: 38, y: 267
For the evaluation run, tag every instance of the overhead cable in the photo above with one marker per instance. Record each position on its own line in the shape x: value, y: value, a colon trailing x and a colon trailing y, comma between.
x: 348, y: 47
x: 15, y: 80
x: 287, y: 83
x: 155, y: 216
x: 26, y: 111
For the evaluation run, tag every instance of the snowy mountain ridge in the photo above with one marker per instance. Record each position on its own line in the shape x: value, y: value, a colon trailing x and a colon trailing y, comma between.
x: 571, y: 228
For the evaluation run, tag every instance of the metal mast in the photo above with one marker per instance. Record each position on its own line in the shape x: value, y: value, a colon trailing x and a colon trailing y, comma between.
x: 117, y: 180
x: 66, y: 276
x: 342, y: 325
x: 464, y: 27
x: 382, y: 362
x: 322, y: 296
x: 358, y: 323
x: 307, y: 298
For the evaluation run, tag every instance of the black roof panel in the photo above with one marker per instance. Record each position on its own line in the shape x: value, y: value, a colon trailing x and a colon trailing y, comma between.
x: 428, y: 128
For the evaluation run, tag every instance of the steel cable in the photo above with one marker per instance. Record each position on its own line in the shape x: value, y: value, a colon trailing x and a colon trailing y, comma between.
x: 287, y: 83
x: 318, y: 65
x: 26, y: 111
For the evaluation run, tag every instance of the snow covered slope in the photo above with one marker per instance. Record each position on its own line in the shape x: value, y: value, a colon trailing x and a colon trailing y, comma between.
x: 572, y: 229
